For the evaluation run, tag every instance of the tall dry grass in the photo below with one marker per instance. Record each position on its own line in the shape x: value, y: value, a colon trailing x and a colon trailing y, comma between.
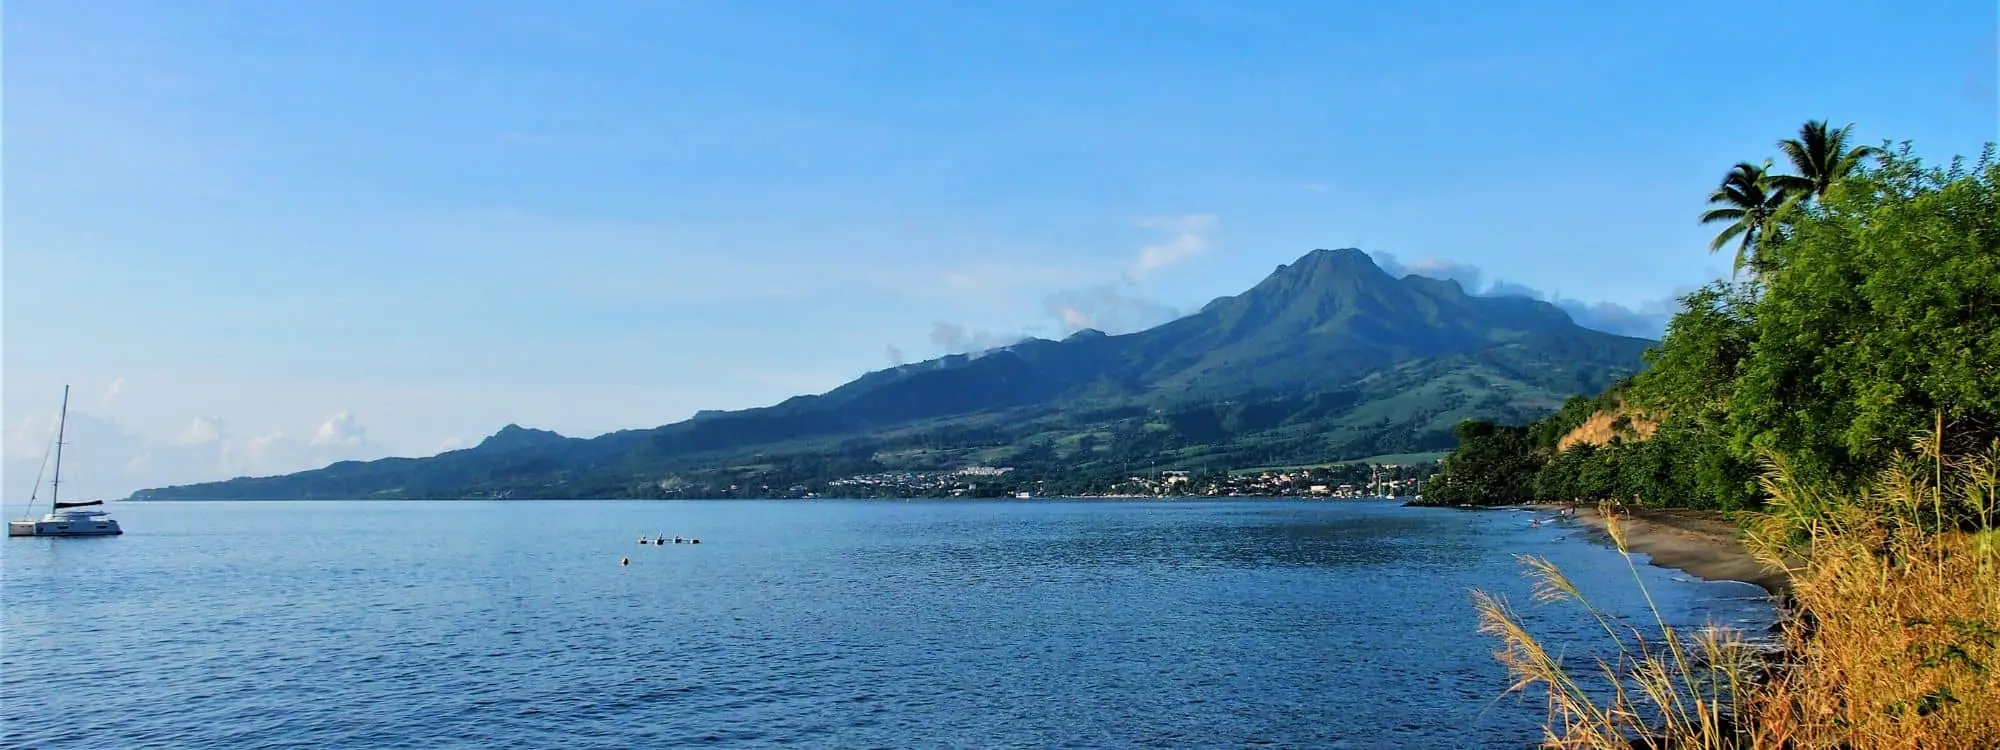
x: 1668, y: 689
x: 1897, y: 639
x: 1894, y: 640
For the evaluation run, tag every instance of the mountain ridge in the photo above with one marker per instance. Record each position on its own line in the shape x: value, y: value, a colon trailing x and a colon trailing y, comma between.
x: 1327, y: 355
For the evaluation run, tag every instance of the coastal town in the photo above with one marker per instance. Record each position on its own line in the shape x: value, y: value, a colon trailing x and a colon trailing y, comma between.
x: 1348, y: 481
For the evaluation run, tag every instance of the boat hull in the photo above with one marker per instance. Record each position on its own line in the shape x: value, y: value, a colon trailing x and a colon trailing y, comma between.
x: 65, y: 527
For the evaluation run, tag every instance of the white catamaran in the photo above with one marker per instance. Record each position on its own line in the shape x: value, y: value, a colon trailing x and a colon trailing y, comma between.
x: 64, y: 519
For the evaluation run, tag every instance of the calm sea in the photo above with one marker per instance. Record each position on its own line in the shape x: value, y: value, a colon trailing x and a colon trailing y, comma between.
x: 825, y: 624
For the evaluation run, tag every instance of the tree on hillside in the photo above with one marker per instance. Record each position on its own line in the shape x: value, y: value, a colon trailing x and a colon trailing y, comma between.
x: 1749, y: 203
x: 1494, y: 465
x: 1822, y: 159
x: 1693, y: 370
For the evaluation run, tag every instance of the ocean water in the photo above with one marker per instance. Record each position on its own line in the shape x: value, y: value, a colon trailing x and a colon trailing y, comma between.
x: 819, y: 624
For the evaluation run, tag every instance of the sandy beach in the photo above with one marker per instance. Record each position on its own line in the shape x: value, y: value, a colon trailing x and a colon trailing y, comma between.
x: 1700, y: 543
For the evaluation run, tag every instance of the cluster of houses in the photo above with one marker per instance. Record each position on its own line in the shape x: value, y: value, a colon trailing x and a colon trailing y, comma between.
x: 956, y: 482
x: 1384, y: 480
x: 1292, y: 483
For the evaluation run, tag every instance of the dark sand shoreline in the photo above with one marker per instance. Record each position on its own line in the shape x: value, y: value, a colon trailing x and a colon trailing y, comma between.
x: 1699, y: 543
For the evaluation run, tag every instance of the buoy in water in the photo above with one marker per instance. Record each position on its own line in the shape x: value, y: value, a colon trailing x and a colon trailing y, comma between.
x: 624, y: 561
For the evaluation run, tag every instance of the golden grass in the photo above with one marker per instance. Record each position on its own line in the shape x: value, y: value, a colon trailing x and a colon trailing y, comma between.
x: 1895, y: 642
x: 1664, y: 686
x: 1898, y: 642
x: 1598, y: 429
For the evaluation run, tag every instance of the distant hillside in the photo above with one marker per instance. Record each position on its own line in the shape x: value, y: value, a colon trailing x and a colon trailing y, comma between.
x: 1328, y: 358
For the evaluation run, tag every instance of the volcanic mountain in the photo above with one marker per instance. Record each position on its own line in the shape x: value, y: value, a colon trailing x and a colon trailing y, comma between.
x: 1327, y: 358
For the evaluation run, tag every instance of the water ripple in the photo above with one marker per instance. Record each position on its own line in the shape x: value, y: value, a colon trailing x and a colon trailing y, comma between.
x: 1046, y: 624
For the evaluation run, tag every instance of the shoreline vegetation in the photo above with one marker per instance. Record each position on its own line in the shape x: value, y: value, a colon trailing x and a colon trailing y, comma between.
x: 1889, y: 618
x: 1838, y: 403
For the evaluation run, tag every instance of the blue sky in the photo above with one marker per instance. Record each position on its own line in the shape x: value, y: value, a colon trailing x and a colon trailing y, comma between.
x: 290, y: 232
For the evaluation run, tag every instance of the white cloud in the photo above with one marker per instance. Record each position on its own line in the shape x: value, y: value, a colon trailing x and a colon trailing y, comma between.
x: 110, y: 394
x: 102, y: 458
x: 1505, y: 288
x: 1107, y: 307
x: 1647, y: 319
x: 1314, y: 187
x: 31, y: 437
x: 452, y: 444
x: 1073, y: 318
x: 340, y: 431
x: 1187, y: 236
x: 1468, y: 276
x: 1116, y: 307
x: 957, y: 339
x: 204, y: 430
x: 263, y: 449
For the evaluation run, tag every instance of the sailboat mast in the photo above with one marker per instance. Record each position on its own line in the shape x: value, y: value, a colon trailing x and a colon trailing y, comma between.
x: 55, y: 485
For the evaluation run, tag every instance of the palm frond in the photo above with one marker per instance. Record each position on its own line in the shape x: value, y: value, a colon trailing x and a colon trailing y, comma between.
x: 1723, y: 214
x: 1799, y: 152
x: 1747, y: 199
x: 1728, y: 235
x: 1792, y: 185
x: 1821, y: 158
x: 1746, y: 253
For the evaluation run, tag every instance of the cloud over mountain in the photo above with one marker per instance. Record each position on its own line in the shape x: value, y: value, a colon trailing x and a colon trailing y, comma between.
x: 953, y: 338
x: 1648, y: 319
x: 1187, y: 235
x: 1112, y: 308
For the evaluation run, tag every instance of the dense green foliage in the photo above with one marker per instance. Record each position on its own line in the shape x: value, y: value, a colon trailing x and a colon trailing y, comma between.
x: 1495, y: 464
x: 1327, y: 359
x: 1887, y: 309
x: 1873, y: 309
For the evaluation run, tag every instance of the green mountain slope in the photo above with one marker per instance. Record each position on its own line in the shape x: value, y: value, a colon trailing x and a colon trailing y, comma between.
x: 1328, y: 358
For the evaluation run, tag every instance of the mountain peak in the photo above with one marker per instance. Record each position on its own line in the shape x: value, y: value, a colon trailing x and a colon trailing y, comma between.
x: 515, y: 436
x: 1322, y: 272
x: 1346, y: 258
x: 1343, y: 255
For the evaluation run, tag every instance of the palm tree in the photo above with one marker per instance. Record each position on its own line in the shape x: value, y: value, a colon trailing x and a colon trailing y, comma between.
x: 1821, y: 158
x: 1748, y: 200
